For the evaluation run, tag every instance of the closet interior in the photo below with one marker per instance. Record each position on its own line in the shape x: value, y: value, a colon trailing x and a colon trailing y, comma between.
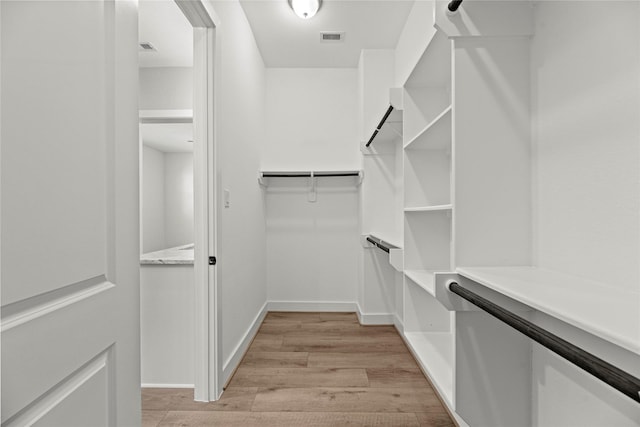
x: 495, y: 147
x: 468, y: 184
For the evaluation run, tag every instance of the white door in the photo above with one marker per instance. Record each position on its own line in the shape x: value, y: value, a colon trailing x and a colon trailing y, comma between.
x: 69, y: 213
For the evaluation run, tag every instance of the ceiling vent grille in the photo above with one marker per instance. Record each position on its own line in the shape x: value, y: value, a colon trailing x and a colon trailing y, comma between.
x: 332, y: 36
x: 147, y: 47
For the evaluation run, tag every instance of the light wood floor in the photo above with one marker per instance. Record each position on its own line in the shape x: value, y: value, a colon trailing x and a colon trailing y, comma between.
x: 312, y: 369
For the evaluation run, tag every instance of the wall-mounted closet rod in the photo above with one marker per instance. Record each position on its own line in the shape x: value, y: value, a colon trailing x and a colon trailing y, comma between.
x: 384, y: 119
x: 306, y: 174
x: 379, y: 245
x: 454, y: 5
x: 615, y: 377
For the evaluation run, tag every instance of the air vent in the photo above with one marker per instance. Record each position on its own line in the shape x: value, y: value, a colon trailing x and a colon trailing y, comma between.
x: 147, y: 47
x: 332, y: 36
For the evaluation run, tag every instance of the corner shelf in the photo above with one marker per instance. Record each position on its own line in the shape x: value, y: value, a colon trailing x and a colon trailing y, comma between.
x: 435, y: 136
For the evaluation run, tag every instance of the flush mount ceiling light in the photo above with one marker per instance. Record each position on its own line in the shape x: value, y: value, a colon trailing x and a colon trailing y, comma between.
x: 305, y: 9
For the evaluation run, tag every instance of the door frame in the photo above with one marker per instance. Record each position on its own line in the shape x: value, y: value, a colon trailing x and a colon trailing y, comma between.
x: 208, y: 364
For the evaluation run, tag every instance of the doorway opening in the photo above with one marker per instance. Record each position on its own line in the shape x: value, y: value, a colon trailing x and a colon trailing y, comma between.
x: 179, y: 312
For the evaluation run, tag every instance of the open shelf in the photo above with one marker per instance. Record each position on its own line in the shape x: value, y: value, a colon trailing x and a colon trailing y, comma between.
x: 569, y: 298
x: 435, y: 136
x: 431, y: 70
x: 427, y: 242
x: 427, y: 178
x: 423, y: 278
x: 447, y: 207
x: 434, y: 353
x: 428, y: 91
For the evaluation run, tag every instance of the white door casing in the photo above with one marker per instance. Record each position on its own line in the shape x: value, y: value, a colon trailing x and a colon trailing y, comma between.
x: 69, y: 213
x: 208, y: 366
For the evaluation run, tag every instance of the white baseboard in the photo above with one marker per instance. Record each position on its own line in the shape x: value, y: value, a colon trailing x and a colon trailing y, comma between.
x: 236, y: 356
x: 323, y: 306
x: 147, y: 385
x: 375, y: 318
x: 399, y: 324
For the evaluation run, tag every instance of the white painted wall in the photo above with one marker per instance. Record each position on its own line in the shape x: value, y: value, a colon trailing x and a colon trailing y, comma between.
x: 167, y: 199
x: 166, y: 88
x: 240, y: 136
x: 167, y: 324
x: 585, y: 65
x: 380, y: 214
x: 312, y: 248
x: 178, y: 199
x: 311, y: 119
x: 152, y: 206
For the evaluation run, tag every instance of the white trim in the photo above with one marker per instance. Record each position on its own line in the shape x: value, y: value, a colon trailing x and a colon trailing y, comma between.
x: 375, y: 318
x: 207, y: 367
x: 320, y: 306
x: 165, y: 114
x: 47, y: 307
x: 147, y: 385
x: 54, y: 397
x: 236, y: 356
x: 399, y: 324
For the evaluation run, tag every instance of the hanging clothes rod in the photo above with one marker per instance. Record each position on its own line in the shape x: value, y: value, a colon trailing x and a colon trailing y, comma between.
x: 606, y: 372
x: 380, y: 244
x: 307, y: 174
x: 384, y: 119
x: 454, y: 5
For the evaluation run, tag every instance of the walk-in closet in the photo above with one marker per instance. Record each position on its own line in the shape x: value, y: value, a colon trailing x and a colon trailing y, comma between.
x: 320, y: 212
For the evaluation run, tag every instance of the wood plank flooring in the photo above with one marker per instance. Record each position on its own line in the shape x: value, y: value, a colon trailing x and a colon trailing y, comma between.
x: 312, y: 369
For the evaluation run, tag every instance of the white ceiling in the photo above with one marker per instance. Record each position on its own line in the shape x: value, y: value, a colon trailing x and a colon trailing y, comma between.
x: 288, y: 41
x: 163, y: 24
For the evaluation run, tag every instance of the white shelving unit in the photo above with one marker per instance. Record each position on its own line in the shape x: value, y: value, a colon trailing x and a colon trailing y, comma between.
x: 428, y: 207
x: 436, y: 135
x: 478, y: 207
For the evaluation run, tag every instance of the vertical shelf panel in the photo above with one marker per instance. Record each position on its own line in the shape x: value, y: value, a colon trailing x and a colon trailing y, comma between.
x: 492, y: 152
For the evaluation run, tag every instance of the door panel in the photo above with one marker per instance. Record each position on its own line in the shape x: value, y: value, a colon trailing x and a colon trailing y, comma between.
x: 69, y: 213
x: 53, y: 145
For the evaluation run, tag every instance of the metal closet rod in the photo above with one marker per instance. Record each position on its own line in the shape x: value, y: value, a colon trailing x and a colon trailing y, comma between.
x: 454, y: 5
x: 606, y: 372
x: 306, y: 174
x: 380, y: 244
x: 384, y: 119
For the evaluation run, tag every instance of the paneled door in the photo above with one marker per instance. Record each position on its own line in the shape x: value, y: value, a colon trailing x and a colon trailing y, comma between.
x: 69, y: 213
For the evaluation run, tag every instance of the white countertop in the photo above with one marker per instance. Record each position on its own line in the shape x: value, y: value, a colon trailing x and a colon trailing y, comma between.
x: 172, y: 256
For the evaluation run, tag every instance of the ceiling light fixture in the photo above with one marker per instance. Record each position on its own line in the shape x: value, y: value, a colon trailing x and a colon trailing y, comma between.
x: 305, y: 9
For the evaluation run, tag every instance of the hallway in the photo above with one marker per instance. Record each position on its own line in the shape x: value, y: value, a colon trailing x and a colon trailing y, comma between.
x: 312, y: 369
